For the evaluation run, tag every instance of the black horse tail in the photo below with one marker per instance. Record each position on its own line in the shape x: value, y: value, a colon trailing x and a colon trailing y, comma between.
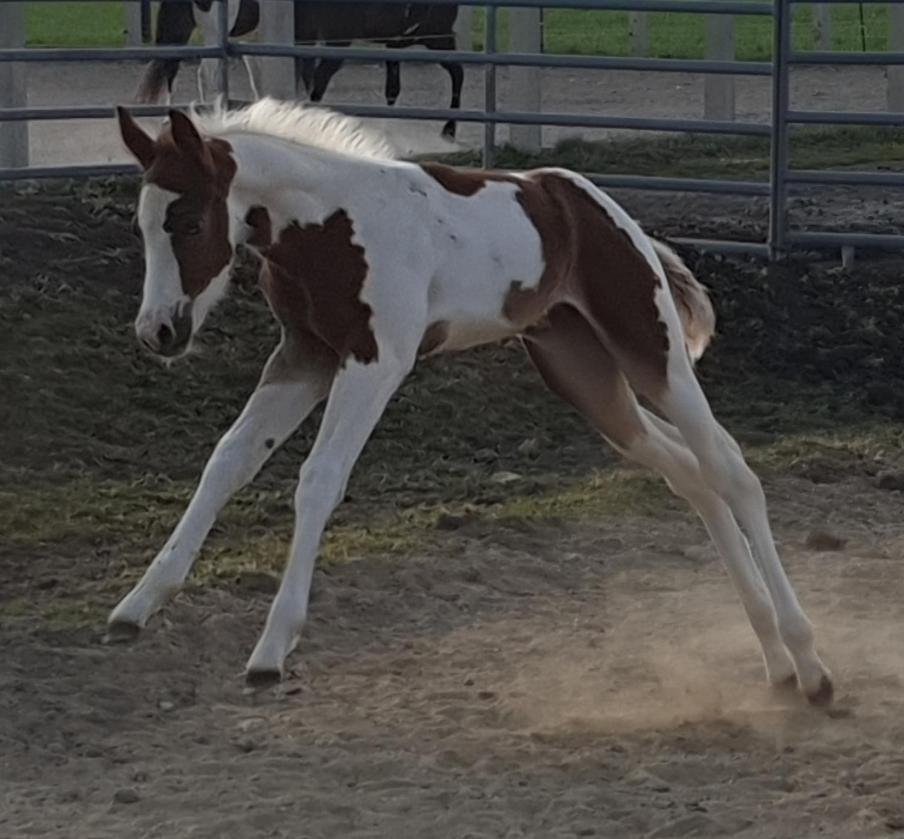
x: 175, y: 23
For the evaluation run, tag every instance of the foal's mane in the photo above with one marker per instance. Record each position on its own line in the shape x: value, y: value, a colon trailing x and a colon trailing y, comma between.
x: 301, y: 124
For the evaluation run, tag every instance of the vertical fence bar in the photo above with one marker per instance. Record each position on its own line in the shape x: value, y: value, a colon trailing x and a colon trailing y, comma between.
x: 13, y: 87
x: 781, y: 86
x: 464, y: 28
x: 132, y: 13
x: 639, y: 33
x: 895, y: 75
x: 223, y: 67
x: 719, y: 90
x: 277, y: 26
x: 489, y: 89
x: 822, y: 26
x: 526, y: 93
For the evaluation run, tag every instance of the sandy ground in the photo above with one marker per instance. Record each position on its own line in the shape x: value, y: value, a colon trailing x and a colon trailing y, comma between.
x: 518, y: 675
x: 583, y: 680
x: 513, y: 678
x: 665, y: 95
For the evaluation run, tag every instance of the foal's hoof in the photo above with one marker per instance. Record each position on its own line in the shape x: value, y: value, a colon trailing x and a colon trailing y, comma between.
x: 262, y: 678
x: 823, y: 695
x: 449, y: 131
x: 785, y: 686
x: 121, y: 632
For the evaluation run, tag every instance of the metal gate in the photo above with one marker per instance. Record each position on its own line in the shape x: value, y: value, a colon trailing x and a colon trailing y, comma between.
x: 783, y: 181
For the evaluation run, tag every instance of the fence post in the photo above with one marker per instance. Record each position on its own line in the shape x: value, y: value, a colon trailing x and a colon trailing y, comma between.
x: 719, y: 90
x: 489, y: 88
x: 132, y: 13
x: 822, y: 26
x: 895, y: 77
x: 780, y: 157
x: 524, y: 28
x: 13, y: 87
x: 464, y: 28
x: 278, y: 27
x: 639, y: 33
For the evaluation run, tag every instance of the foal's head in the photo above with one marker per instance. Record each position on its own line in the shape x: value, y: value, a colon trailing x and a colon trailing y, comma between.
x: 185, y: 223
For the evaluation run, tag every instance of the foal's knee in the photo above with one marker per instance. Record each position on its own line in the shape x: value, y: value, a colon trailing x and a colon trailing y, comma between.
x: 728, y: 474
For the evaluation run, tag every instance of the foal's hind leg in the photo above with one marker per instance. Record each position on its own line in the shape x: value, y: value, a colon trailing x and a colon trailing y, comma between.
x: 678, y: 395
x: 577, y: 367
x: 725, y: 470
x: 289, y: 390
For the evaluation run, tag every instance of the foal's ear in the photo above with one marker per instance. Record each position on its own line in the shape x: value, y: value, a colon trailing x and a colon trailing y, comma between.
x: 185, y: 135
x: 137, y: 140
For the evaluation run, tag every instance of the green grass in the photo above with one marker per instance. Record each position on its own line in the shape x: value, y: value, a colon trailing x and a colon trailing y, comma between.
x: 567, y: 31
x: 570, y: 32
x: 75, y: 24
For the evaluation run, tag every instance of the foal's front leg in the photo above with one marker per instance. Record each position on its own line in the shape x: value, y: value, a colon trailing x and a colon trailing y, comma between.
x: 357, y: 400
x: 272, y: 413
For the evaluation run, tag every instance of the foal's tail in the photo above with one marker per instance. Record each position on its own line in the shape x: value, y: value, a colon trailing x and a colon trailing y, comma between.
x: 175, y: 23
x: 691, y: 298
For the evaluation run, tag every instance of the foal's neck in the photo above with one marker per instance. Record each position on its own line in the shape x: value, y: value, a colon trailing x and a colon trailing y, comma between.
x: 299, y: 183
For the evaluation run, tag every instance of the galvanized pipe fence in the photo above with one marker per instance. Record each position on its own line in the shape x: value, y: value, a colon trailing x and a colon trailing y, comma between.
x: 783, y: 179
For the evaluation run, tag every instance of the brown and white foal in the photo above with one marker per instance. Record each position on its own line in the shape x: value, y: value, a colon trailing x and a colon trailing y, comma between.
x: 368, y: 263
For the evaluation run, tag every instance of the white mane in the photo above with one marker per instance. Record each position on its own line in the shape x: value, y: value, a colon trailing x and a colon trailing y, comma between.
x: 299, y: 123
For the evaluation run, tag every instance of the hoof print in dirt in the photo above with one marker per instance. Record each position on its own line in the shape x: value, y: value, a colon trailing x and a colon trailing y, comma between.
x: 121, y: 633
x: 892, y: 481
x: 822, y: 540
x: 126, y: 796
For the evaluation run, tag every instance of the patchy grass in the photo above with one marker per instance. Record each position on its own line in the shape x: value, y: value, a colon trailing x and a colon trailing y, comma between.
x: 704, y: 156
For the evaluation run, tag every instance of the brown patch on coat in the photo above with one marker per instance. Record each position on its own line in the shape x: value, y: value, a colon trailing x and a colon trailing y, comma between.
x: 198, y: 220
x: 313, y: 277
x: 576, y: 366
x: 258, y: 219
x: 435, y: 336
x: 591, y: 261
x: 464, y: 182
x: 302, y: 356
x: 587, y: 258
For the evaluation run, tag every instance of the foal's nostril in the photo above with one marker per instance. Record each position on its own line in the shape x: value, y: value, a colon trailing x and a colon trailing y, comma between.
x: 165, y: 337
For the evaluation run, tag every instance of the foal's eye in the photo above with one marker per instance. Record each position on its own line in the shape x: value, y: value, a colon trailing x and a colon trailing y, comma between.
x: 192, y: 228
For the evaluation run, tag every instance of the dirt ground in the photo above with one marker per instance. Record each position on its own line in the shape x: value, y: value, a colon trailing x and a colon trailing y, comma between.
x: 512, y: 634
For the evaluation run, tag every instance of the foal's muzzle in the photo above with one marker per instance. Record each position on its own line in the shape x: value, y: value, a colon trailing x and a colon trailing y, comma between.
x: 167, y: 339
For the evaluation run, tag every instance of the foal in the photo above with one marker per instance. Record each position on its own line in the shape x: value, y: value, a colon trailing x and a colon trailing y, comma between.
x: 604, y: 312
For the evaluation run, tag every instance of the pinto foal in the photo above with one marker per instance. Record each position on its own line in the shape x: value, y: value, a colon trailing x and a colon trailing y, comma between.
x: 604, y: 311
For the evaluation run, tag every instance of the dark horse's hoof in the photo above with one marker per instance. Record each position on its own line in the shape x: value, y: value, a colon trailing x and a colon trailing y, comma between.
x: 449, y: 130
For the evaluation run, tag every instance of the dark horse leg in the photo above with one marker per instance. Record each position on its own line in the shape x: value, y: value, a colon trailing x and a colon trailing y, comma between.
x: 324, y: 71
x: 456, y: 74
x: 393, y: 81
x: 175, y: 24
x: 304, y: 73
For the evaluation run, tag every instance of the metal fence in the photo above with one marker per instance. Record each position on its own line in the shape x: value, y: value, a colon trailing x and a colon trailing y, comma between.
x: 783, y: 181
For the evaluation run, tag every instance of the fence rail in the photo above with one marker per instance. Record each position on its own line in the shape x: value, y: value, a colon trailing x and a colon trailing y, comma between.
x: 783, y: 179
